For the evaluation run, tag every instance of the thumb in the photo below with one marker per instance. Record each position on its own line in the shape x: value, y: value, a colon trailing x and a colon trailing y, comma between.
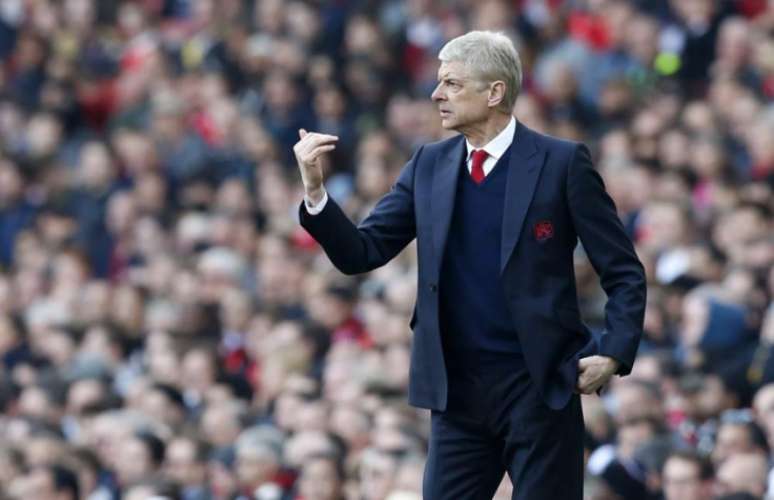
x: 583, y: 363
x: 301, y: 133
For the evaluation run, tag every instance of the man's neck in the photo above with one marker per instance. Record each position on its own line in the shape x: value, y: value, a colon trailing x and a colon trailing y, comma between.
x: 481, y: 134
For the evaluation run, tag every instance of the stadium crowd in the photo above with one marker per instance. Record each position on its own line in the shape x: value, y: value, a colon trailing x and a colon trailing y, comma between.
x: 168, y: 330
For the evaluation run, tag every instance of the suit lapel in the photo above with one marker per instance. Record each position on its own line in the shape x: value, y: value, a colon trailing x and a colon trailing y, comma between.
x: 445, y: 175
x: 523, y: 171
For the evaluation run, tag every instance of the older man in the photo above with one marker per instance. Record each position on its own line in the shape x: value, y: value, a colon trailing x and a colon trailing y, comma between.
x: 499, y: 351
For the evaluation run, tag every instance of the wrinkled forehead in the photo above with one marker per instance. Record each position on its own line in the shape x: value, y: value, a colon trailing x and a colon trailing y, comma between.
x: 453, y: 70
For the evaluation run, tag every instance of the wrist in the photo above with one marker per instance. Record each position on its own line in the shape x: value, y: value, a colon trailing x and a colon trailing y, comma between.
x: 315, y: 195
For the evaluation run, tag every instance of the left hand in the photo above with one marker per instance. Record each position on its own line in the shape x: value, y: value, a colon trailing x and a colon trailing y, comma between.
x: 594, y: 372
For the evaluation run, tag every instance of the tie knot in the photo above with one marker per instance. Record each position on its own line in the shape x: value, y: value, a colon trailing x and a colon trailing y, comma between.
x: 479, y: 155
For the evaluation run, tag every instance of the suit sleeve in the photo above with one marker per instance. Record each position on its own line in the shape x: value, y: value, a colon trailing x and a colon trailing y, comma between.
x: 381, y: 236
x: 613, y: 257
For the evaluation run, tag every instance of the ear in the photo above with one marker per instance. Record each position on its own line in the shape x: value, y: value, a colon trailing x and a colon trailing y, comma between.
x: 496, y: 93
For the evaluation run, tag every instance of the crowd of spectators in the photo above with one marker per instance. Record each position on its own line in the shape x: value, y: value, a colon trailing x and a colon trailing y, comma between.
x: 168, y: 330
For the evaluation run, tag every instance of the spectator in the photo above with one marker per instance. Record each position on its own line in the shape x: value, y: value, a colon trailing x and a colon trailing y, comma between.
x: 687, y: 476
x: 738, y: 433
x: 743, y: 473
x: 185, y: 461
x: 50, y: 481
x: 321, y: 478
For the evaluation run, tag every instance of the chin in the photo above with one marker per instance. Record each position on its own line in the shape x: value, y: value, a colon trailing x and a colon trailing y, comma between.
x: 448, y: 124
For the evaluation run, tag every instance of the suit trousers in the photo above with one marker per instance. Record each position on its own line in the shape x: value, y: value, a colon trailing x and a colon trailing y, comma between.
x: 496, y: 422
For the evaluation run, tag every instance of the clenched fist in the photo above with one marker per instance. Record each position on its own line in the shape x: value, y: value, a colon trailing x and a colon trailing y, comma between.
x: 309, y: 150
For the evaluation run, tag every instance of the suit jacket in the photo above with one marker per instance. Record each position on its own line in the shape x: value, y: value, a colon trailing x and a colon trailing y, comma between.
x: 553, y: 197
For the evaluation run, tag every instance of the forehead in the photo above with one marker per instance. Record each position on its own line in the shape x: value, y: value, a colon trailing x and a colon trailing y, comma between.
x: 452, y: 69
x: 680, y: 465
x: 733, y: 430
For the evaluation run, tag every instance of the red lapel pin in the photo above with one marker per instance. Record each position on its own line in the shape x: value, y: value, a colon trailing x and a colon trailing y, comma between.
x: 543, y: 230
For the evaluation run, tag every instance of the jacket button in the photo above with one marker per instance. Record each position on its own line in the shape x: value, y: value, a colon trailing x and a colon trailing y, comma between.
x: 433, y: 288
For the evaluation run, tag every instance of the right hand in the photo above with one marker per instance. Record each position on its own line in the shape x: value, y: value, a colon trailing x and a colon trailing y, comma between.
x: 309, y: 150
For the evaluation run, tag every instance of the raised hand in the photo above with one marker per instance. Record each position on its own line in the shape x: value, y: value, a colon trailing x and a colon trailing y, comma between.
x: 309, y: 150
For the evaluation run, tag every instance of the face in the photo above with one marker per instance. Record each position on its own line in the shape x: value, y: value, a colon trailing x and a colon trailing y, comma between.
x: 319, y: 480
x: 462, y: 100
x: 731, y: 439
x: 682, y: 480
x: 181, y: 463
x: 742, y: 473
x: 377, y: 473
x: 41, y: 485
x: 133, y: 461
x: 254, y: 466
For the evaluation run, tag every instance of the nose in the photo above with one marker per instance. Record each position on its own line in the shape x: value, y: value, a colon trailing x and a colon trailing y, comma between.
x: 437, y: 95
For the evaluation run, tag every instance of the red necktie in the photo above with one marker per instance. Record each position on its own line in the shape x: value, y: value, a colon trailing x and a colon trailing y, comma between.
x: 477, y: 171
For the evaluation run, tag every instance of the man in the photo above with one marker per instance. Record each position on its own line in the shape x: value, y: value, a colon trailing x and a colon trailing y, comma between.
x: 687, y: 476
x: 138, y: 456
x: 257, y: 461
x: 53, y: 482
x: 321, y: 478
x: 499, y: 351
x: 743, y: 473
x: 738, y: 433
x: 185, y: 463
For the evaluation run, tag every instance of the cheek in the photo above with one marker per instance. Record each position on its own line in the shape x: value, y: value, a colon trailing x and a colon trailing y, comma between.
x: 472, y: 103
x: 462, y: 106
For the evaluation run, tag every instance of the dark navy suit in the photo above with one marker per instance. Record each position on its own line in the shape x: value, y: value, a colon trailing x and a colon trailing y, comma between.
x: 526, y: 420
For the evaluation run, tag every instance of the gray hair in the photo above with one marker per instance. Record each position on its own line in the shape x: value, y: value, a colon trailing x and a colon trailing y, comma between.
x: 490, y: 57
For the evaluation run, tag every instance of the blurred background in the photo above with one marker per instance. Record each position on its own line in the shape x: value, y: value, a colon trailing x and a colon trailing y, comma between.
x: 167, y: 330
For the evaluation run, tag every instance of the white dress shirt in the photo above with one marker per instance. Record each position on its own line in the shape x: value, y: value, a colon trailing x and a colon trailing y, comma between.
x: 494, y: 148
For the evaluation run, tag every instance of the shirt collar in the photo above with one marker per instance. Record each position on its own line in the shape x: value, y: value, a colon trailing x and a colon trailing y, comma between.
x: 497, y: 146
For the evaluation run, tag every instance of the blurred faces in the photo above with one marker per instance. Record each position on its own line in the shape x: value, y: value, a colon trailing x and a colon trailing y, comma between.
x: 96, y: 170
x: 683, y: 481
x: 133, y: 461
x: 11, y: 183
x: 662, y: 225
x: 377, y: 474
x: 221, y: 424
x: 636, y: 401
x: 40, y: 484
x: 732, y: 438
x: 713, y: 397
x: 320, y: 479
x: 182, y: 463
x: 255, y: 465
x: 743, y: 473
